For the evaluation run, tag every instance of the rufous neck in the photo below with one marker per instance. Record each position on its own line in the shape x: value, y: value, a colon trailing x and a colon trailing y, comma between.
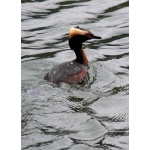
x: 81, y: 56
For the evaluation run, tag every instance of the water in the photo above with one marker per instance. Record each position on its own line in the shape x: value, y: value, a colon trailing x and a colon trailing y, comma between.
x: 75, y: 117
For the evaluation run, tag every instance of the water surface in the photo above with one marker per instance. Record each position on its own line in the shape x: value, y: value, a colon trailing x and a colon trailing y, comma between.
x: 81, y: 117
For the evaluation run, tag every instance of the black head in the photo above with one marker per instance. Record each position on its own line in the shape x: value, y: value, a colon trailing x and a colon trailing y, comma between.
x: 79, y: 35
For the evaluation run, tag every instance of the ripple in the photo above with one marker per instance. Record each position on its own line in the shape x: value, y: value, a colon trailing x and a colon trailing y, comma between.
x: 90, y: 116
x: 89, y: 131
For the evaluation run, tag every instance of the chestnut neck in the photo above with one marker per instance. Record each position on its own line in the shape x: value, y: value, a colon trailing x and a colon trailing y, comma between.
x: 81, y: 56
x: 75, y: 44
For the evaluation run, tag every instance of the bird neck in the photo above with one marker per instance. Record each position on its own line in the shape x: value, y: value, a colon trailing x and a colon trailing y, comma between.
x: 81, y: 56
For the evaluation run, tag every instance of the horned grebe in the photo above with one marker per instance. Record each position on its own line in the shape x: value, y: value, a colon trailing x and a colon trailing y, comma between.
x: 73, y: 72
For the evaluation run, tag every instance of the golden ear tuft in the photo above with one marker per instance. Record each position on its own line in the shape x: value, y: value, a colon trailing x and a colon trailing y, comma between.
x: 76, y: 31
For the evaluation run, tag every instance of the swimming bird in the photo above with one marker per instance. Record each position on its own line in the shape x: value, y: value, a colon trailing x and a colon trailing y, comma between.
x: 75, y: 71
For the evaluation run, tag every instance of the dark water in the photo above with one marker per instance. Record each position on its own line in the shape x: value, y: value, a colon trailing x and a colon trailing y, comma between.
x: 89, y: 117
